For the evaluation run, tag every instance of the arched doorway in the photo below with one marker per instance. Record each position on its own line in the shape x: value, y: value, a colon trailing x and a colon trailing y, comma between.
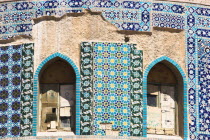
x: 165, y: 98
x: 57, y: 97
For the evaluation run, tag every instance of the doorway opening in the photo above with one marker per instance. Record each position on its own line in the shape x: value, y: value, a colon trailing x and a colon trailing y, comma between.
x: 165, y: 111
x: 57, y: 98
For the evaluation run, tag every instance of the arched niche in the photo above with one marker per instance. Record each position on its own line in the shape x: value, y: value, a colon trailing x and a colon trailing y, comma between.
x: 165, y: 75
x: 57, y: 97
x: 47, y: 73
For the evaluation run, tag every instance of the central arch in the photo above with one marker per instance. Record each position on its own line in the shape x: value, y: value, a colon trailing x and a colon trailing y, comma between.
x: 171, y: 63
x: 36, y: 91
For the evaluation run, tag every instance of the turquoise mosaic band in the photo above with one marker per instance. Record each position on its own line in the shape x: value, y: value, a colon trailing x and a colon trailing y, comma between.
x: 27, y: 90
x: 86, y: 88
x: 136, y: 92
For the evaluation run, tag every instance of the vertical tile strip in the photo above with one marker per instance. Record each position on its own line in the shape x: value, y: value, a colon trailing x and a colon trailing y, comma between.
x: 86, y: 88
x: 136, y: 92
x: 27, y: 90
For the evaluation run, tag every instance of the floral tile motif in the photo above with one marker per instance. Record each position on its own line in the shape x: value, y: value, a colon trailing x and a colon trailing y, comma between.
x: 112, y: 67
x: 27, y: 90
x: 86, y: 88
x: 136, y: 91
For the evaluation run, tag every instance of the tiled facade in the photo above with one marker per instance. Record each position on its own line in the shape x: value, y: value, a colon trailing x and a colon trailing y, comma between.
x: 143, y: 15
x: 107, y: 87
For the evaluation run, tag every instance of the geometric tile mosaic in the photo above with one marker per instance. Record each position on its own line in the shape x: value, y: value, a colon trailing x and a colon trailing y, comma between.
x: 11, y: 90
x: 115, y: 99
x: 168, y: 15
x: 10, y: 85
x: 111, y: 87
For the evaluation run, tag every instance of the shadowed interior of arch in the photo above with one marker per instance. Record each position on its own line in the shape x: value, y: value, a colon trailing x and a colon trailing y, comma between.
x: 57, y: 97
x: 165, y: 111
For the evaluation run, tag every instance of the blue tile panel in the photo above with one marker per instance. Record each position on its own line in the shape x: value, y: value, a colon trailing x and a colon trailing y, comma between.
x: 35, y: 91
x: 168, y: 15
x: 197, y: 48
x: 11, y: 90
x: 111, y: 87
x: 107, y: 76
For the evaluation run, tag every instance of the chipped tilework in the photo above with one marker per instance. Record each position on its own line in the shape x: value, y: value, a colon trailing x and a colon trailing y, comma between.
x: 136, y: 92
x: 16, y: 17
x: 12, y: 69
x: 86, y: 88
x: 114, y: 65
x: 35, y: 91
x: 185, y: 96
x: 128, y: 15
x: 27, y: 90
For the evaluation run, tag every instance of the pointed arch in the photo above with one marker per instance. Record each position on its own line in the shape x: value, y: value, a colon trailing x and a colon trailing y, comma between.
x: 36, y: 91
x: 183, y: 76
